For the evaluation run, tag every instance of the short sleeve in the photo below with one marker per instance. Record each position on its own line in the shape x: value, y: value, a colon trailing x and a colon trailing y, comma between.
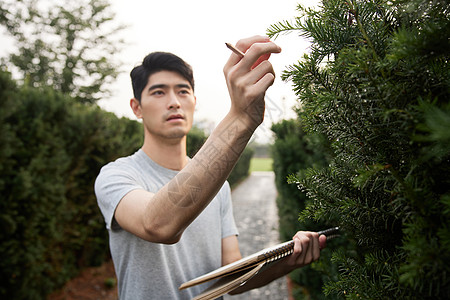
x: 228, y: 224
x: 111, y: 185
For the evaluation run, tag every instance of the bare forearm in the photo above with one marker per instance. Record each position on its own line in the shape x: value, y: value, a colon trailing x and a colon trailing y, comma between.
x: 176, y: 205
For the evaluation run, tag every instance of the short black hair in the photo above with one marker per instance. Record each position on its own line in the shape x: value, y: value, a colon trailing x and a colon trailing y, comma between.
x: 155, y: 62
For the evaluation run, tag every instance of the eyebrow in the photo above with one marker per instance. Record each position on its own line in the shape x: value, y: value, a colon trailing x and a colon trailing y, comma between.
x: 163, y: 86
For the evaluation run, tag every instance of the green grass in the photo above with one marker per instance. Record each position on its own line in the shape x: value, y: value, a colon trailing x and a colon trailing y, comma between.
x: 261, y: 164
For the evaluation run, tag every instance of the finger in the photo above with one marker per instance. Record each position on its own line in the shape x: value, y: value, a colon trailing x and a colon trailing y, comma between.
x: 257, y: 49
x: 258, y: 80
x: 309, y: 250
x: 243, y: 45
x: 262, y: 58
x: 263, y: 84
x: 297, y: 246
x: 303, y: 256
x: 322, y: 241
x: 260, y: 71
x: 315, y: 247
x: 257, y: 53
x: 298, y: 250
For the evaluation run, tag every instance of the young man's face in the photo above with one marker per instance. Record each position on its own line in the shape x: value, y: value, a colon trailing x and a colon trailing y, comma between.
x: 167, y: 105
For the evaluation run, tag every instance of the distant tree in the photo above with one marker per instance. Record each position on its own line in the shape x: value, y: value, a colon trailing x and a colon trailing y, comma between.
x: 68, y: 45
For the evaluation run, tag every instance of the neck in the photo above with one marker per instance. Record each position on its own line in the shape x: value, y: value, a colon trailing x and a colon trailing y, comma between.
x: 170, y: 154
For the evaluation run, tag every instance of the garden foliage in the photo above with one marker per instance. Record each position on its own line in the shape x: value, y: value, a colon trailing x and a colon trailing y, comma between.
x: 51, y: 150
x: 293, y: 151
x: 376, y: 83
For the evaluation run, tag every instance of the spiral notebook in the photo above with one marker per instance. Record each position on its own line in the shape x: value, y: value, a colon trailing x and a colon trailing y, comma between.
x: 239, y: 272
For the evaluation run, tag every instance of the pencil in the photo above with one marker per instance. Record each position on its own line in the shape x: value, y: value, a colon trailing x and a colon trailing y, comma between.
x: 235, y: 50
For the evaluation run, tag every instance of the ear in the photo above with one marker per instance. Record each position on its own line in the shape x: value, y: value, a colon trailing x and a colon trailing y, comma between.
x: 136, y: 107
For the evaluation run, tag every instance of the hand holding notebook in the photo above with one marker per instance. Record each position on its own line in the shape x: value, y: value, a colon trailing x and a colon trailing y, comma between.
x: 238, y: 273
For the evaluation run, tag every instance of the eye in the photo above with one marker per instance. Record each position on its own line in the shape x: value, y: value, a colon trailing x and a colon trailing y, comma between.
x: 184, y: 92
x: 157, y: 93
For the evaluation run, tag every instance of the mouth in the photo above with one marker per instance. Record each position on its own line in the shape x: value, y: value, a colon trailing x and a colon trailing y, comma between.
x: 175, y: 117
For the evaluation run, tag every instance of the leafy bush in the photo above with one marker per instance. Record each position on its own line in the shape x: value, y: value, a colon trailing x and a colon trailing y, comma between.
x: 50, y: 153
x: 376, y: 83
x: 294, y: 151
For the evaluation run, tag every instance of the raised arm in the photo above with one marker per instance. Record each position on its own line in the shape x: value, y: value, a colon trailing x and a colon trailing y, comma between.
x: 162, y: 217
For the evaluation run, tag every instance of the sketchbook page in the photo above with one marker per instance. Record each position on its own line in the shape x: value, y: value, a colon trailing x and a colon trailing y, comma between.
x: 229, y: 283
x: 268, y: 254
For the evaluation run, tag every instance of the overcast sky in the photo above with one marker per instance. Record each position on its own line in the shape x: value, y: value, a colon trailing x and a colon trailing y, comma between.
x: 196, y: 30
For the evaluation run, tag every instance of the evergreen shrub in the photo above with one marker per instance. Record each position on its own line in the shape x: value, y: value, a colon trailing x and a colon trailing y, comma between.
x: 295, y: 151
x: 376, y: 83
x: 51, y: 150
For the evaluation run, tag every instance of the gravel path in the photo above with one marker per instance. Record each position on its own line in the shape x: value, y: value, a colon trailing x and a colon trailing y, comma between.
x: 256, y: 216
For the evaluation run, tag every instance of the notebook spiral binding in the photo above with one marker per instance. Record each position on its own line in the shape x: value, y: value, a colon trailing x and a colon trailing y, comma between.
x: 279, y: 253
x: 288, y: 249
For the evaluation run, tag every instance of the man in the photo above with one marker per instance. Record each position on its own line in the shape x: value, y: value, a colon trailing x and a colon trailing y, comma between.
x: 169, y: 217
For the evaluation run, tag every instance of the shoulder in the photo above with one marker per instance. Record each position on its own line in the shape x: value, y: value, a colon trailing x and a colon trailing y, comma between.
x: 120, y: 169
x: 127, y: 163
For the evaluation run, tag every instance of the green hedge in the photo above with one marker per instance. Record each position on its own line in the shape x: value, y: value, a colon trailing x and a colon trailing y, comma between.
x: 376, y: 83
x: 51, y: 150
x: 295, y: 151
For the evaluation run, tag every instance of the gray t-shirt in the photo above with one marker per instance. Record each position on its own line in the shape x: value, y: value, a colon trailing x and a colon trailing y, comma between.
x: 148, y: 270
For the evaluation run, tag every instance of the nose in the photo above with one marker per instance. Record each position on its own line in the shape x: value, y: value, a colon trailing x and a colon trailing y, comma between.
x: 173, y: 101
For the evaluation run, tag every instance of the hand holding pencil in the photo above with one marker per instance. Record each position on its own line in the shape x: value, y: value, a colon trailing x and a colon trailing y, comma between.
x: 248, y: 75
x: 241, y: 54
